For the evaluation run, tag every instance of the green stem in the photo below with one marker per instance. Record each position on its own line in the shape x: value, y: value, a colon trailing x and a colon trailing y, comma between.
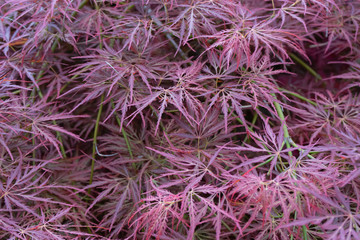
x: 304, y: 230
x: 167, y: 34
x: 58, y: 135
x: 41, y: 73
x: 288, y: 143
x: 250, y: 128
x: 81, y: 5
x: 285, y: 129
x: 298, y: 96
x: 95, y: 141
x: 306, y: 66
x: 123, y: 132
x: 263, y: 163
x: 33, y: 152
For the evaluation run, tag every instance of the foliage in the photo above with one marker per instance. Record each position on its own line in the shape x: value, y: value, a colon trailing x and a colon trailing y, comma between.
x: 181, y: 119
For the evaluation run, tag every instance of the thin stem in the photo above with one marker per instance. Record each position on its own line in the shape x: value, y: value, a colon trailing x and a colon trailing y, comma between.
x: 285, y: 129
x: 288, y: 143
x: 95, y: 140
x: 167, y: 34
x: 306, y: 66
x: 123, y: 132
x: 246, y: 140
x: 81, y: 5
x: 41, y: 73
x: 298, y: 96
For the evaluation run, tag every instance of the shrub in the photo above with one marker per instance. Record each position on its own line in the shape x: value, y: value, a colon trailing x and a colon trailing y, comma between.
x: 181, y: 119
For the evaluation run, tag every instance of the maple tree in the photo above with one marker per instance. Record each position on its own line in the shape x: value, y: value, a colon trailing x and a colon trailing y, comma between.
x: 179, y: 119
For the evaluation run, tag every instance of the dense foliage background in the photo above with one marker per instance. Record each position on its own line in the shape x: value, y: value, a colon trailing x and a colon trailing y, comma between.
x: 179, y: 119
